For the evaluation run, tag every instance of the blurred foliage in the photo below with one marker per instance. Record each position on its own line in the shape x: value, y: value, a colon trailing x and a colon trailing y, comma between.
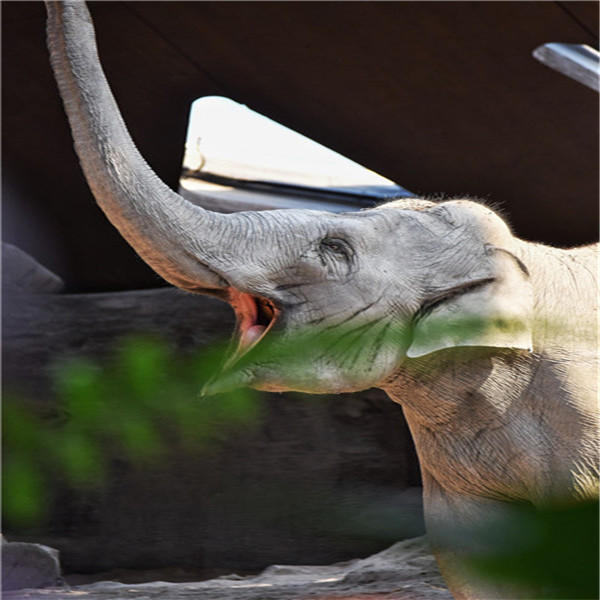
x: 547, y: 553
x: 138, y: 406
x: 352, y: 348
x: 543, y: 553
x: 145, y: 403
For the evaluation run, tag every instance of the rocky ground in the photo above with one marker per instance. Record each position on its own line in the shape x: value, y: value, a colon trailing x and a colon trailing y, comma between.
x: 405, y: 571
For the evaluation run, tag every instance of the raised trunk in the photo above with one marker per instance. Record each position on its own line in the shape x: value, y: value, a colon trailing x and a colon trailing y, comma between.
x: 176, y: 238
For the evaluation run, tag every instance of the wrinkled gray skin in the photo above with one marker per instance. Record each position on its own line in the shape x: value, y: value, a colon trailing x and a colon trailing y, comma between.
x: 507, y: 412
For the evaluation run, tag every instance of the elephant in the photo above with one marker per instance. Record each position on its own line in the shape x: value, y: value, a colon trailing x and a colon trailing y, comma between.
x: 501, y: 410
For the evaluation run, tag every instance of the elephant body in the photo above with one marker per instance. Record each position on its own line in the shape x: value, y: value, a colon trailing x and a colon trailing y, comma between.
x: 488, y: 342
x: 500, y: 424
x: 491, y: 427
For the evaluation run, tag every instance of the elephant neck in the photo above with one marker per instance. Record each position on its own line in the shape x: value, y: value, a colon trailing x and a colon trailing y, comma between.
x: 457, y: 386
x: 503, y: 424
x: 466, y: 414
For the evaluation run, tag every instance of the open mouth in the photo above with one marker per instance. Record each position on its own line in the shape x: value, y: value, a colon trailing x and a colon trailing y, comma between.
x: 255, y: 317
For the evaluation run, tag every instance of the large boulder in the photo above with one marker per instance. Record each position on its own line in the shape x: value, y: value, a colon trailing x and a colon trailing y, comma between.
x: 29, y: 566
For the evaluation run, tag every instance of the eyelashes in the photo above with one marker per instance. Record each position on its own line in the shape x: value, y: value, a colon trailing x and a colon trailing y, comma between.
x: 337, y: 255
x: 335, y: 246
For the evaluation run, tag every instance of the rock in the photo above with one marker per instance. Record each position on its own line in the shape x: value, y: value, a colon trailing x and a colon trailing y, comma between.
x: 22, y: 273
x: 405, y: 571
x: 29, y: 566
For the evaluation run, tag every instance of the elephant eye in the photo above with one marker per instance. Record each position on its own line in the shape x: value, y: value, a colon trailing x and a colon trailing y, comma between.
x: 336, y: 246
x: 336, y: 256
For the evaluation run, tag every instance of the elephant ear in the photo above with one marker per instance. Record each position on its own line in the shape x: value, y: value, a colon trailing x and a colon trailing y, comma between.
x: 494, y: 311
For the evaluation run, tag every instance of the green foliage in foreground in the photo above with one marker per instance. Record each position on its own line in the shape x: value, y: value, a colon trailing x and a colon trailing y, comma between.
x: 146, y: 403
x: 547, y: 553
x: 141, y: 405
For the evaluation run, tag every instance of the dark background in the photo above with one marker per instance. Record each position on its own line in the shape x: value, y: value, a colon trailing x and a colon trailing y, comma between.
x: 440, y: 97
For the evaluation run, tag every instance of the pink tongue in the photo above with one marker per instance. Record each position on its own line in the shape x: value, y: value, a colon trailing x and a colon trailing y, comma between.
x: 252, y: 334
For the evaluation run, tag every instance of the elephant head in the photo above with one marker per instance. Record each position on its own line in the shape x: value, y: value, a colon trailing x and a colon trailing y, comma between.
x: 376, y: 283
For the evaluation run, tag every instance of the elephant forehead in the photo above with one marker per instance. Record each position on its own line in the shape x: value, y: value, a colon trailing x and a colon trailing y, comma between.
x: 366, y: 226
x: 390, y: 217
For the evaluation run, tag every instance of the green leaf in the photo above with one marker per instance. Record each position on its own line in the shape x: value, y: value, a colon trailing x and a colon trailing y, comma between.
x: 240, y: 406
x: 143, y: 364
x: 80, y: 458
x: 25, y: 494
x: 22, y: 431
x: 139, y: 439
x: 550, y: 552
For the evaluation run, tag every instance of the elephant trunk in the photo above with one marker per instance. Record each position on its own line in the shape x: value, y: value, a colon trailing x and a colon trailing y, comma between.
x: 179, y: 240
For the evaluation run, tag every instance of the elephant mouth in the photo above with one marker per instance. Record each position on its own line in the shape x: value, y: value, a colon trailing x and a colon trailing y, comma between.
x: 255, y: 317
